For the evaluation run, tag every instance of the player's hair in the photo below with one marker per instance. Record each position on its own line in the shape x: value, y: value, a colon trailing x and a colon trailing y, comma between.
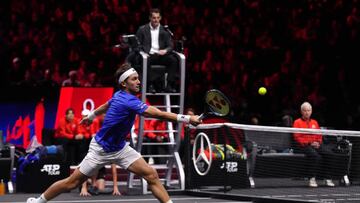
x: 122, y: 68
x: 154, y: 10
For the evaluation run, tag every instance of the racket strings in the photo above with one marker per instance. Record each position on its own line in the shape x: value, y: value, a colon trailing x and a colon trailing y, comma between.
x: 218, y: 103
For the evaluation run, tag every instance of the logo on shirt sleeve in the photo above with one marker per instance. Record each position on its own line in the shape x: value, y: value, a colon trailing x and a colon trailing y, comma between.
x: 143, y: 105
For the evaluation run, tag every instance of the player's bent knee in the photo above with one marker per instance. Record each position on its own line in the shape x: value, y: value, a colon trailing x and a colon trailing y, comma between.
x: 152, y: 176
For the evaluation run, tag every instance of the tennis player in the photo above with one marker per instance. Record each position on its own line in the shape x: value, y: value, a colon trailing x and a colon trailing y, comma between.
x: 109, y: 144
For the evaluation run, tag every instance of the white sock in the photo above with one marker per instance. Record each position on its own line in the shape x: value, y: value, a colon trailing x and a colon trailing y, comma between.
x: 170, y: 201
x: 41, y: 199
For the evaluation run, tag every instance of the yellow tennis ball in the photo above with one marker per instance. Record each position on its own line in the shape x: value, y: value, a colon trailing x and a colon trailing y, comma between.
x: 262, y: 91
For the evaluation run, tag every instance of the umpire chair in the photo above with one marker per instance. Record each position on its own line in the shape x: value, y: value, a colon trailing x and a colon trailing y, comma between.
x: 174, y: 132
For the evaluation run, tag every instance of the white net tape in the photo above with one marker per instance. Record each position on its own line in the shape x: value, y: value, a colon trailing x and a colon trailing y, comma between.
x: 262, y: 128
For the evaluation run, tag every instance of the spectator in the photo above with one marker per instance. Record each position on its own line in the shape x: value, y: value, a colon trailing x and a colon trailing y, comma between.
x: 158, y: 137
x: 72, y: 81
x: 48, y: 83
x: 56, y: 74
x: 35, y: 72
x: 286, y: 121
x: 68, y: 126
x: 82, y: 72
x: 312, y: 145
x: 92, y: 81
x: 67, y: 132
x: 98, y: 183
x: 255, y: 119
x: 27, y: 82
x: 15, y: 73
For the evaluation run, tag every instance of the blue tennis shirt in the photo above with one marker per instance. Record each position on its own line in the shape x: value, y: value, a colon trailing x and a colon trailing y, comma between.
x: 118, y: 120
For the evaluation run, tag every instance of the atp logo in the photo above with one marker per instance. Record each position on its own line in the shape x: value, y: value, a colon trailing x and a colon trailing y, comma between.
x: 231, y: 167
x: 51, y: 169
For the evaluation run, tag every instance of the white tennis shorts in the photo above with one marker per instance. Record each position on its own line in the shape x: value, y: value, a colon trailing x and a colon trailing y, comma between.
x: 97, y: 158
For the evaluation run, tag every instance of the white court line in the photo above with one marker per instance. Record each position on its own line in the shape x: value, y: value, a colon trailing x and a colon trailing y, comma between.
x: 228, y: 202
x: 311, y: 195
x: 278, y: 196
x: 294, y: 195
x: 327, y: 200
x: 127, y: 200
x: 335, y: 200
x: 341, y: 195
x: 353, y: 199
x: 324, y: 195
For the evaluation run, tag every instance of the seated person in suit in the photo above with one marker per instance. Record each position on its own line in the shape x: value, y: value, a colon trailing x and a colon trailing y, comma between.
x: 157, y: 42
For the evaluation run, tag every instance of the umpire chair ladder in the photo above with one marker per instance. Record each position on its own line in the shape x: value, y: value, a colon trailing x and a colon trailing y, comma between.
x: 174, y: 131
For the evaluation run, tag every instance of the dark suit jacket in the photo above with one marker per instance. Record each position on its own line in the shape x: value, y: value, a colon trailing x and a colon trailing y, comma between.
x: 144, y: 36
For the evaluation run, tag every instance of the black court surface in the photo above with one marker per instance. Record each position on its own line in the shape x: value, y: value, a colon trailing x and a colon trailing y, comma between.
x: 257, y: 195
x: 291, y: 193
x: 322, y: 195
x: 297, y: 191
x: 74, y: 197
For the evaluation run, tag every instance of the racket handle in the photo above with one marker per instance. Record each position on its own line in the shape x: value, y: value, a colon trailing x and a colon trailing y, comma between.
x: 202, y: 116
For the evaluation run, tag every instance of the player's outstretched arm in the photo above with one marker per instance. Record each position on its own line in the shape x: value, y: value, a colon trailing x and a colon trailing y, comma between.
x: 154, y: 112
x: 98, y: 111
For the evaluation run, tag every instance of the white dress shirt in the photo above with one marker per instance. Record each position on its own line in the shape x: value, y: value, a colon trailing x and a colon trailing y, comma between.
x: 154, y: 39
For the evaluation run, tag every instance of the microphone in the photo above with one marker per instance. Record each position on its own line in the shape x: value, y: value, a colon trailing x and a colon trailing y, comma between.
x: 118, y: 46
x: 128, y: 36
x: 168, y: 30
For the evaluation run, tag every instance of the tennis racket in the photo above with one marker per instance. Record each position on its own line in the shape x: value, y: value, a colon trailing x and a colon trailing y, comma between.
x: 216, y: 103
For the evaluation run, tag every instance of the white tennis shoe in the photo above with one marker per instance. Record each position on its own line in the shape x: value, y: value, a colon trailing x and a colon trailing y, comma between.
x: 329, y: 183
x: 312, y: 182
x: 31, y: 200
x: 36, y: 200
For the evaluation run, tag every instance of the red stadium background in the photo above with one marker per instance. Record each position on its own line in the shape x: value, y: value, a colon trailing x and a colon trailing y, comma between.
x: 80, y: 98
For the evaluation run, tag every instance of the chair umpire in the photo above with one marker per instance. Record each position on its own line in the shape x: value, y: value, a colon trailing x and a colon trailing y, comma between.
x: 156, y: 41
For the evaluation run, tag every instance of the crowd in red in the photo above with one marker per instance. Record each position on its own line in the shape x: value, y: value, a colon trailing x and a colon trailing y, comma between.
x: 298, y: 49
